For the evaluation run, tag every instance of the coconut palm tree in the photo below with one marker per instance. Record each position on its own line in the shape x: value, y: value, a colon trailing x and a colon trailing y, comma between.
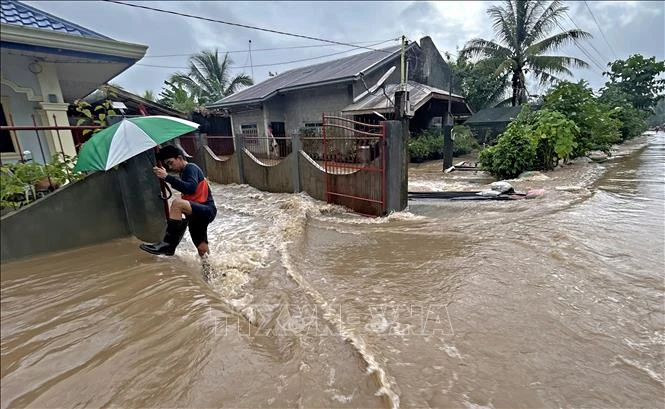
x: 209, y: 79
x: 524, y: 30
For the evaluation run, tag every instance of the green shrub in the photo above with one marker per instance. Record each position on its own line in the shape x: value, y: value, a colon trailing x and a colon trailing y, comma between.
x: 426, y: 146
x: 598, y: 129
x: 464, y: 142
x: 553, y: 135
x: 514, y: 152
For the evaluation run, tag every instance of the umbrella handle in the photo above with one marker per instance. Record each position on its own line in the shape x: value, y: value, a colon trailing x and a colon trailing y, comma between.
x: 165, y: 193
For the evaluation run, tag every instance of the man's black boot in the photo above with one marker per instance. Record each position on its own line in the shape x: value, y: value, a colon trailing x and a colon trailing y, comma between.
x: 175, y: 229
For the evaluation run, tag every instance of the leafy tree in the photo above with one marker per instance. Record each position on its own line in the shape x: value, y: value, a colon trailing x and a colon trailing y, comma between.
x: 637, y: 78
x: 658, y: 116
x: 477, y: 82
x: 149, y: 95
x: 633, y: 121
x: 209, y: 79
x: 514, y: 151
x: 175, y: 95
x: 598, y: 127
x: 523, y: 27
x: 554, y: 137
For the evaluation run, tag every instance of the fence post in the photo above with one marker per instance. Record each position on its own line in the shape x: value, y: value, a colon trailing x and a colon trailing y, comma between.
x: 295, y: 165
x: 397, y: 165
x: 240, y: 151
x: 200, y: 142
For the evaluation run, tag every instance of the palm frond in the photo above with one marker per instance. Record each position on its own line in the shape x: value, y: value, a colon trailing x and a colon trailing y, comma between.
x: 557, y: 41
x: 236, y: 82
x: 555, y: 63
x: 478, y: 47
x: 501, y: 24
x: 548, y: 20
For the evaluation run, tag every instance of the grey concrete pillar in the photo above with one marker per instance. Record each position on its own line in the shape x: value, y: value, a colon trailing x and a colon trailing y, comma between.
x: 296, y: 147
x: 240, y: 151
x: 199, y: 154
x: 397, y: 165
x: 144, y: 210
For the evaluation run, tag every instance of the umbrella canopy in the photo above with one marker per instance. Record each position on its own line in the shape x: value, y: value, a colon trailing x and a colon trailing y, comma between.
x: 128, y: 138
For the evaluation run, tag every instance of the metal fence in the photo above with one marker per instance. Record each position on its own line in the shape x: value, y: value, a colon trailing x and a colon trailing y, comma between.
x: 221, y: 145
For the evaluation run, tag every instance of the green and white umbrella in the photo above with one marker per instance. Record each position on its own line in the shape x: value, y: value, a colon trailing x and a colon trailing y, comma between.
x: 128, y: 138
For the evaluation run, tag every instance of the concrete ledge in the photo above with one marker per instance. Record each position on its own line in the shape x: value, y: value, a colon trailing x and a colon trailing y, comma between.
x: 102, y: 207
x: 89, y: 211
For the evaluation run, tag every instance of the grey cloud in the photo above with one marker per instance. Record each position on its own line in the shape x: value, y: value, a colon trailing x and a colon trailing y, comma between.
x: 630, y: 28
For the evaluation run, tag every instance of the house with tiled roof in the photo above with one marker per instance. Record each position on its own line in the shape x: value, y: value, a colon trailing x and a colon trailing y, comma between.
x: 47, y: 63
x: 297, y: 98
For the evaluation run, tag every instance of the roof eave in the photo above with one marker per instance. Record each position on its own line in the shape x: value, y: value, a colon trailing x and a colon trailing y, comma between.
x: 376, y: 65
x: 222, y: 104
x: 45, y: 38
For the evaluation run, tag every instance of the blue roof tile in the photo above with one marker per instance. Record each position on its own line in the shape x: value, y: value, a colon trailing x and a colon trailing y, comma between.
x: 20, y: 14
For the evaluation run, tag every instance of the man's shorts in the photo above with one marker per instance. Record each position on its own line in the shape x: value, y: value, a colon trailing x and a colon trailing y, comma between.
x: 202, y: 215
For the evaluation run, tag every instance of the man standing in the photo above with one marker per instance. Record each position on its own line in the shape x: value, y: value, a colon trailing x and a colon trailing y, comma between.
x: 196, y: 204
x: 272, y: 142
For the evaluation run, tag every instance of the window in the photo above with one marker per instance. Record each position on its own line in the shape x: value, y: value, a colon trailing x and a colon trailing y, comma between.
x: 249, y: 130
x: 7, y: 143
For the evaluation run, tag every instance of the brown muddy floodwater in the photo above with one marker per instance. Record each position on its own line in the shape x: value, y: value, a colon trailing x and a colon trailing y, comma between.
x: 556, y: 302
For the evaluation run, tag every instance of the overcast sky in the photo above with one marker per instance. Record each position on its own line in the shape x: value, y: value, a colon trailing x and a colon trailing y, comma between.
x: 630, y: 27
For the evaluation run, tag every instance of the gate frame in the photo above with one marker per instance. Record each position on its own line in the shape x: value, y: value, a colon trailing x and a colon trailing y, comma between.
x: 381, y: 139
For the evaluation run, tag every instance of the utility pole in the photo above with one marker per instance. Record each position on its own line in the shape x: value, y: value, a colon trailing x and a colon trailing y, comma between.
x: 251, y: 65
x: 401, y: 95
x: 448, y: 125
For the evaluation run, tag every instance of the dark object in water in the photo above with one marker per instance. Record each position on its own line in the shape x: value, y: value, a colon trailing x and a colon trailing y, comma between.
x: 473, y: 195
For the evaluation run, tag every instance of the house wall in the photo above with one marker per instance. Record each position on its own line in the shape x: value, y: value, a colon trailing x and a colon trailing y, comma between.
x: 247, y: 117
x: 308, y: 105
x: 21, y: 94
x: 38, y: 94
x: 435, y: 70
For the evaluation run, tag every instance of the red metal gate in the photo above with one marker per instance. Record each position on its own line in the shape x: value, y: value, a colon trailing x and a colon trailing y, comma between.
x: 354, y: 161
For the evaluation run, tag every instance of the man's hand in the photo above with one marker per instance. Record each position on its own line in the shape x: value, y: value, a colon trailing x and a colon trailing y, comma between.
x: 159, y: 171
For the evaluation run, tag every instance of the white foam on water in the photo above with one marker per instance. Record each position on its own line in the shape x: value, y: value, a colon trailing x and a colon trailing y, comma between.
x: 645, y: 368
x: 255, y: 228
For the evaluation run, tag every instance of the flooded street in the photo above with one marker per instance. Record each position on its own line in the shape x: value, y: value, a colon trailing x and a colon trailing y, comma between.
x: 557, y: 302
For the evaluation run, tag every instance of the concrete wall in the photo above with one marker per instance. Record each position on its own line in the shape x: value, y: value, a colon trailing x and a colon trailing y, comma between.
x: 101, y: 207
x: 222, y: 171
x: 247, y: 117
x: 298, y: 172
x: 308, y: 105
x: 20, y: 93
x: 435, y: 70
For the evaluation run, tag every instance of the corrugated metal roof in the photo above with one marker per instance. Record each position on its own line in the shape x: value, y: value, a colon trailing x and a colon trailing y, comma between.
x: 310, y: 75
x: 19, y: 14
x: 419, y: 94
x: 494, y: 115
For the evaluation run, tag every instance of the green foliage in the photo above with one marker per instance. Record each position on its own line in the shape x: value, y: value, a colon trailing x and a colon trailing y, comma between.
x: 598, y: 128
x: 637, y: 78
x: 175, y: 95
x: 98, y: 115
x: 426, y: 146
x: 658, y: 116
x: 633, y: 121
x: 11, y: 187
x: 209, y: 78
x: 554, y: 137
x: 463, y: 142
x: 477, y: 82
x: 17, y: 178
x: 514, y: 153
x: 532, y: 141
x: 429, y: 144
x: 525, y: 42
x: 149, y: 95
